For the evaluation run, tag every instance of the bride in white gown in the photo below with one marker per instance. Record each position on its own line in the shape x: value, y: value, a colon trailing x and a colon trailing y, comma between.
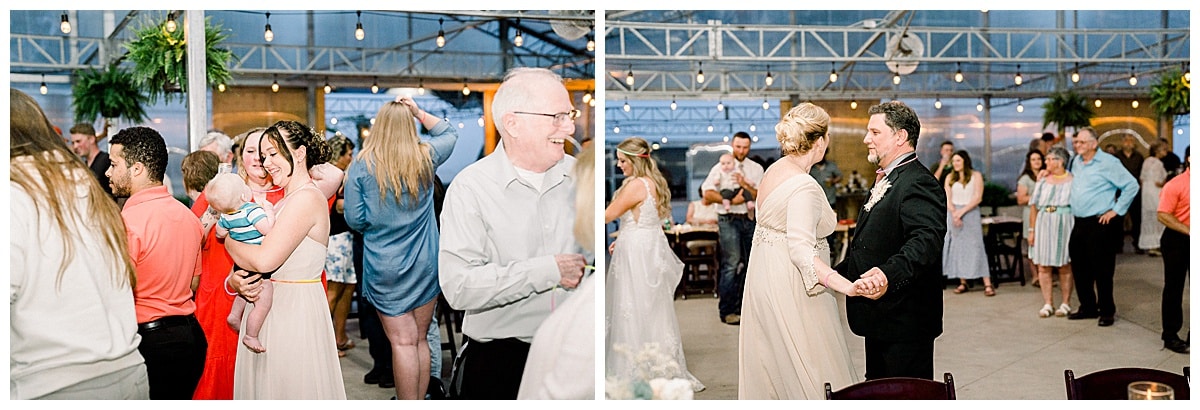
x: 641, y: 332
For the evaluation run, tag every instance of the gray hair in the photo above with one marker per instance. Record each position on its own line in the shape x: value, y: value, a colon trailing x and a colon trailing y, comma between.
x: 514, y: 92
x: 1061, y: 153
x: 224, y: 143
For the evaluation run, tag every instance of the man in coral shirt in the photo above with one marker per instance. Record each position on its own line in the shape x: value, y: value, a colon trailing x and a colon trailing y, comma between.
x: 164, y: 243
x: 1174, y: 211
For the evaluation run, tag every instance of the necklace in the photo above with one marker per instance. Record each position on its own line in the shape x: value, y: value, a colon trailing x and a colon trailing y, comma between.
x: 1060, y: 176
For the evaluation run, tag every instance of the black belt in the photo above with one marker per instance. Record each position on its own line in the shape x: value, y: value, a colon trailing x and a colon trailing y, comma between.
x: 166, y: 321
x: 733, y: 216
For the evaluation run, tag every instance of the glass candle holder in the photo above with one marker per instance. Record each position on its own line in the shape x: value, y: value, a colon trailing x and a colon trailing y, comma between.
x: 1143, y: 390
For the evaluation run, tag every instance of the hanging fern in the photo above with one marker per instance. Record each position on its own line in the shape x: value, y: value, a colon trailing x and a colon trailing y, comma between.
x: 1170, y: 94
x: 111, y: 93
x: 1067, y: 110
x: 160, y: 58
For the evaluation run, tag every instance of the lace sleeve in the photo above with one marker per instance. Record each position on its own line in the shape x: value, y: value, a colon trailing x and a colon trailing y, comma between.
x: 803, y: 209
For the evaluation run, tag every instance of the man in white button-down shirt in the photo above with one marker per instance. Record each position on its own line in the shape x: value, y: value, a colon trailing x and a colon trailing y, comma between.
x: 736, y: 229
x: 507, y: 253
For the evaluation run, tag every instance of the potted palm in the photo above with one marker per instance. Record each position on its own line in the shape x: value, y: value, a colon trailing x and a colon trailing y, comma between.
x: 1067, y: 109
x: 1170, y: 94
x: 110, y: 93
x: 160, y: 58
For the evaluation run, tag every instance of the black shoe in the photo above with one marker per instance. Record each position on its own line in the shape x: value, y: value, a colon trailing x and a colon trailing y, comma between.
x: 387, y: 380
x: 1080, y: 314
x: 435, y: 390
x: 1106, y: 321
x: 1177, y: 346
x: 372, y: 377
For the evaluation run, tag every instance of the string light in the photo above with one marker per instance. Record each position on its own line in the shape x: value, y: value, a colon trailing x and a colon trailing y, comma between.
x: 587, y: 96
x: 65, y: 26
x: 466, y: 90
x: 421, y: 86
x: 591, y: 42
x: 274, y: 84
x: 441, y: 37
x: 1132, y: 77
x: 770, y: 78
x: 1018, y: 79
x: 853, y: 104
x: 710, y: 128
x: 480, y: 122
x: 518, y: 40
x: 664, y: 140
x: 673, y: 104
x: 979, y: 106
x: 832, y: 72
x: 1135, y: 104
x: 725, y: 138
x: 328, y: 89
x: 375, y: 86
x: 359, y: 34
x: 700, y: 74
x: 171, y: 25
x: 958, y: 75
x: 1020, y: 107
x: 1098, y: 103
x: 1187, y: 74
x: 617, y: 129
x: 1075, y: 74
x: 592, y: 103
x: 629, y: 76
x: 333, y: 120
x: 896, y: 79
x: 43, y: 89
x: 626, y: 106
x: 720, y: 106
x: 268, y: 35
x: 221, y: 87
x: 766, y: 105
x: 937, y: 104
x: 753, y: 127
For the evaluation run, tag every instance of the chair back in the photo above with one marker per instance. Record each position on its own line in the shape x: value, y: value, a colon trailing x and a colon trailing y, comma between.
x: 895, y: 388
x: 1112, y: 384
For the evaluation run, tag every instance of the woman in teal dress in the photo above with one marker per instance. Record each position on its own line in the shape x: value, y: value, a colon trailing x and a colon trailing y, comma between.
x: 389, y: 198
x: 1050, y: 224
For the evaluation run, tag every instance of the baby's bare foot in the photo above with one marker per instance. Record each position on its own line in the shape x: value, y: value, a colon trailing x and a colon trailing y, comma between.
x: 253, y: 344
x: 234, y: 322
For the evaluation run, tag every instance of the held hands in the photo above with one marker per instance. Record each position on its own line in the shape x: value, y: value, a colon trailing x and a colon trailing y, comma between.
x: 241, y: 283
x: 570, y: 267
x: 872, y: 284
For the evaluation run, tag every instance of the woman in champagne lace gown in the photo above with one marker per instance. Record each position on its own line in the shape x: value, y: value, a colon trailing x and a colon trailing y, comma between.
x: 792, y: 339
x: 300, y: 361
x: 641, y: 332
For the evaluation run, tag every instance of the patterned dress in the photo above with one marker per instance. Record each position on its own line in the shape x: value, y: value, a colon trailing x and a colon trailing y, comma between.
x: 1052, y: 230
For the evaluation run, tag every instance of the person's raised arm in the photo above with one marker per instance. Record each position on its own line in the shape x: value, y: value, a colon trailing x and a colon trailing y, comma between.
x: 301, y: 214
x: 328, y: 178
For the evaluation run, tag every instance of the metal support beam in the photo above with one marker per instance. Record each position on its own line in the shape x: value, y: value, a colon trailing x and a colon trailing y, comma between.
x: 197, y: 77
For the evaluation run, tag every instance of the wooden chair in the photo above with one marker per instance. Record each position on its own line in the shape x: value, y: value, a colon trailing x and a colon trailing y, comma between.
x: 1003, y: 247
x: 698, y: 249
x: 895, y: 388
x: 452, y: 320
x: 1112, y: 384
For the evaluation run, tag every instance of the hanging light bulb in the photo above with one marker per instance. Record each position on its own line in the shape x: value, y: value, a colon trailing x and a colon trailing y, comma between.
x: 461, y: 125
x: 221, y: 87
x: 375, y: 86
x: 832, y: 73
x: 592, y: 103
x: 1132, y: 76
x: 421, y: 86
x: 770, y: 79
x: 518, y: 40
x: 710, y: 128
x: 958, y: 76
x: 979, y: 106
x: 720, y: 106
x: 766, y: 105
x: 1187, y: 74
x: 700, y: 74
x: 1135, y: 104
x: 591, y: 41
x: 1020, y: 107
x: 629, y: 76
x: 441, y: 37
x: 171, y: 25
x: 587, y: 96
x: 664, y: 140
x: 1075, y: 74
x: 480, y: 122
x: 274, y: 85
x: 359, y: 34
x: 617, y: 129
x: 43, y: 89
x: 725, y: 138
x: 753, y: 127
x: 937, y: 104
x: 328, y: 89
x: 65, y: 26
x: 268, y: 35
x: 1018, y: 79
x: 896, y: 79
x: 853, y: 104
x: 466, y: 90
x: 626, y: 107
x: 1098, y: 103
x: 673, y: 104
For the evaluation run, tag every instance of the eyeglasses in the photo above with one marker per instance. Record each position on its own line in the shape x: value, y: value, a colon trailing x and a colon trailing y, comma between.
x: 559, y: 118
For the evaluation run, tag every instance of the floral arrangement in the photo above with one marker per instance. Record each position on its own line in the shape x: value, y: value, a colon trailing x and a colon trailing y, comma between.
x: 877, y: 192
x: 655, y: 376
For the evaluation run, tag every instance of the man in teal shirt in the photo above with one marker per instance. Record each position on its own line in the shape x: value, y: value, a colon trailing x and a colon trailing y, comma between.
x: 1101, y: 193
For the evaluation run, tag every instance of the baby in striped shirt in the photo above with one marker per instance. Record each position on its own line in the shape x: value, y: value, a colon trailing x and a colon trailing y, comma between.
x: 244, y: 221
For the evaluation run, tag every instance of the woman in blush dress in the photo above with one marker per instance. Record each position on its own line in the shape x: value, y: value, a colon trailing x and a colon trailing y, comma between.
x: 300, y: 358
x: 389, y: 198
x: 792, y: 337
x: 642, y: 276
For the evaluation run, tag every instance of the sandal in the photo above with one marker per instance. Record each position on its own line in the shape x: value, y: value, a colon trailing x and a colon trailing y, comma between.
x: 341, y: 353
x: 349, y: 344
x: 961, y: 288
x: 1046, y: 311
x: 1063, y: 310
x: 989, y: 291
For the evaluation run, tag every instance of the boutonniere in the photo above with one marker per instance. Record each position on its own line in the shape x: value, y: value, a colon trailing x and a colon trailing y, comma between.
x: 877, y: 192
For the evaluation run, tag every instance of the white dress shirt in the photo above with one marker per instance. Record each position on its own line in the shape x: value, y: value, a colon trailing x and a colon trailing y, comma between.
x: 751, y: 171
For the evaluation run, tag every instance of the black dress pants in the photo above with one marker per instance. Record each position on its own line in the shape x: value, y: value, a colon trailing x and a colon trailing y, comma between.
x: 887, y: 358
x: 1175, y: 271
x: 489, y: 370
x: 174, y: 356
x: 1094, y: 261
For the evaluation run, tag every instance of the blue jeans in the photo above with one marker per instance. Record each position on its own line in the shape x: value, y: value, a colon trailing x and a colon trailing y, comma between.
x: 736, y: 231
x: 434, y: 337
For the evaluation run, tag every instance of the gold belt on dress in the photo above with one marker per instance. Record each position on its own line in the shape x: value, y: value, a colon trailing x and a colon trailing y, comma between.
x: 1056, y: 208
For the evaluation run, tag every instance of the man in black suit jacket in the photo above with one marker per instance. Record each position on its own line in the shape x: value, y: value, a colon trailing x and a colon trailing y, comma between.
x: 899, y: 237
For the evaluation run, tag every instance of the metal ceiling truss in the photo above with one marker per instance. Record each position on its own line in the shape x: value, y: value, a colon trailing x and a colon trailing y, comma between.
x: 653, y: 122
x: 666, y: 57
